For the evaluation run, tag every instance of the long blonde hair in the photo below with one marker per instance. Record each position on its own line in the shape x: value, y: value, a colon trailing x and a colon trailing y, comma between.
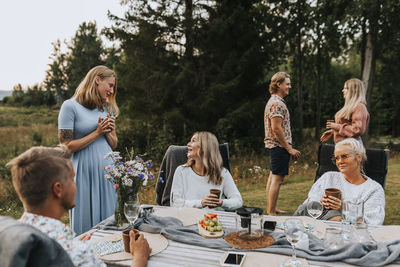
x: 87, y: 94
x: 210, y: 156
x: 355, y: 95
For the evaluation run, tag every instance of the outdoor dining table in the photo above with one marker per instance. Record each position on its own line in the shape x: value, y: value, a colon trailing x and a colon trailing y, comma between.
x: 181, y: 254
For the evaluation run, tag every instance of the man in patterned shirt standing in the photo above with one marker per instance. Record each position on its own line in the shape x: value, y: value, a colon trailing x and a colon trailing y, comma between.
x: 43, y: 178
x: 278, y: 138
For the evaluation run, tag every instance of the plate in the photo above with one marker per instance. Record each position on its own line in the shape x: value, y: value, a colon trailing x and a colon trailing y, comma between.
x: 156, y: 242
x: 207, y: 234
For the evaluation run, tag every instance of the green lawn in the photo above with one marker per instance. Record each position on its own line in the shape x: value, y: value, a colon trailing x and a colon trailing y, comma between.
x: 21, y: 128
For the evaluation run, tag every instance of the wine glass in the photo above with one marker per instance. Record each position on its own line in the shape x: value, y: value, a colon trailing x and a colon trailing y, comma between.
x: 294, y: 230
x: 314, y: 208
x: 131, y: 211
x: 177, y: 200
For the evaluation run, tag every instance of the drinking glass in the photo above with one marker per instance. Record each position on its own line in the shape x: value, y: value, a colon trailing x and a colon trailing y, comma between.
x: 294, y: 230
x: 352, y: 213
x: 131, y: 211
x: 177, y: 200
x: 314, y: 208
x: 333, y: 238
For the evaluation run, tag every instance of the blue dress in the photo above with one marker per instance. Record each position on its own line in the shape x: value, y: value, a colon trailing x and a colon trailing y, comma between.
x: 95, y: 197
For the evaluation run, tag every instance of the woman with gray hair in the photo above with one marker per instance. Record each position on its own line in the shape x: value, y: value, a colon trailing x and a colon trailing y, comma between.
x: 354, y: 185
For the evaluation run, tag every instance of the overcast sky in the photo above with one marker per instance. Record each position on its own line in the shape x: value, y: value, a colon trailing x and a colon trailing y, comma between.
x: 27, y: 28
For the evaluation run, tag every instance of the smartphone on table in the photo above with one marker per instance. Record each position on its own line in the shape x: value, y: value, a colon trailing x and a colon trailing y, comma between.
x: 233, y: 259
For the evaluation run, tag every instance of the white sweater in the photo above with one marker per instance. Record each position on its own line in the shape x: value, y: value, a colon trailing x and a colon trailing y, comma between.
x: 370, y: 192
x: 195, y: 188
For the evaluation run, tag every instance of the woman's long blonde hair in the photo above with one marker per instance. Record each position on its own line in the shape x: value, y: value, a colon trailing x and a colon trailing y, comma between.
x: 210, y: 156
x: 355, y: 95
x: 88, y: 96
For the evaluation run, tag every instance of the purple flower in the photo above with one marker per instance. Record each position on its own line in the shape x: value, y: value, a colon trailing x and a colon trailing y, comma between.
x: 120, y: 163
x: 130, y: 190
x: 138, y: 158
x: 141, y: 175
x: 161, y: 180
x: 151, y: 175
x: 149, y: 164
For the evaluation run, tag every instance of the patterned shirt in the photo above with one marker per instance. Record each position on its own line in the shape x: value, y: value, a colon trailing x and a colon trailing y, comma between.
x: 276, y: 107
x: 81, y: 252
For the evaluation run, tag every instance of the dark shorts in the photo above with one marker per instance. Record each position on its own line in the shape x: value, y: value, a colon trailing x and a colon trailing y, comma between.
x: 279, y: 159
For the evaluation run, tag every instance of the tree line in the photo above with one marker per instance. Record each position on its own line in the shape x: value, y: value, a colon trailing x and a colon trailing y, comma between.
x: 187, y: 65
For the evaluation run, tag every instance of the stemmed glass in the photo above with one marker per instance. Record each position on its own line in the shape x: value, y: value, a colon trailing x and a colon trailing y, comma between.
x: 131, y: 211
x: 177, y: 200
x: 314, y: 208
x: 294, y: 230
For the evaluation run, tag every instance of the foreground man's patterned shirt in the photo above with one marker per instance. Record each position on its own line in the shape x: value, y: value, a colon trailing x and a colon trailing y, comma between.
x: 81, y: 252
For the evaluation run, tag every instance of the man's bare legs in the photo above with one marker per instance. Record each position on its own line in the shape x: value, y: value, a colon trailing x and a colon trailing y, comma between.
x: 272, y: 190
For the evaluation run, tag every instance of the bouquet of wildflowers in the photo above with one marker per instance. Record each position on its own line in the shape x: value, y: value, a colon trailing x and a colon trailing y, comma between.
x: 128, y: 176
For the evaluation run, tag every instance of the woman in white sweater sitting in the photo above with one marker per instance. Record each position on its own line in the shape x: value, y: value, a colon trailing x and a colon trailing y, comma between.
x: 352, y: 182
x: 202, y: 172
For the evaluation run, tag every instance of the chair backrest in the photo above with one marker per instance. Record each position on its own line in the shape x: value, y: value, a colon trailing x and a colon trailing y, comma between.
x: 375, y: 167
x: 23, y: 245
x: 175, y: 156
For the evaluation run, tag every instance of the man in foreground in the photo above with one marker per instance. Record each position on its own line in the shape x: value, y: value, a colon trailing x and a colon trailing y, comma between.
x: 44, y: 181
x: 278, y: 137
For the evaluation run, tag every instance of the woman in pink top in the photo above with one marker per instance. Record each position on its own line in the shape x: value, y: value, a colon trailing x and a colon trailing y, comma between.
x: 352, y: 120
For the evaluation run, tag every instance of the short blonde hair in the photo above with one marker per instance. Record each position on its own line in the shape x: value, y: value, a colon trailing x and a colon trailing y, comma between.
x: 210, y: 156
x: 355, y: 94
x: 36, y: 170
x: 87, y: 94
x: 278, y: 77
x: 356, y: 148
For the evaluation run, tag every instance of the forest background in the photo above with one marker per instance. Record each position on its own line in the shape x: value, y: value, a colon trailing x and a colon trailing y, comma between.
x: 187, y: 65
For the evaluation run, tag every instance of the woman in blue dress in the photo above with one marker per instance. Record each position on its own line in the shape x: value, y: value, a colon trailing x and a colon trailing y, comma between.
x: 86, y: 125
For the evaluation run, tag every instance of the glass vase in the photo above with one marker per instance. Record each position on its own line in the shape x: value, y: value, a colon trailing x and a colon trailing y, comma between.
x: 122, y: 197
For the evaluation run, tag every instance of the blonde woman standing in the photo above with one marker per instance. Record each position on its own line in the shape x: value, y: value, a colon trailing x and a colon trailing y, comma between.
x: 352, y: 120
x: 86, y: 125
x: 202, y: 172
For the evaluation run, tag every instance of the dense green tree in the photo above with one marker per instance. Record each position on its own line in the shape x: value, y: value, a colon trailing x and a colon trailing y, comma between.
x: 85, y: 52
x: 55, y: 78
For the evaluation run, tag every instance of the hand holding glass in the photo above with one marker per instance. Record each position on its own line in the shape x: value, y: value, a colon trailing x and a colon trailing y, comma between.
x: 131, y: 211
x: 314, y: 208
x: 294, y: 230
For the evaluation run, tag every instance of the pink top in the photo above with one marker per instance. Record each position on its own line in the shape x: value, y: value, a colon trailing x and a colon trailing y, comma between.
x: 355, y: 127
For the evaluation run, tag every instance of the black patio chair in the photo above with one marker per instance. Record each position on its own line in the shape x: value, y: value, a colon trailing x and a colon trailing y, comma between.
x: 375, y: 167
x: 175, y: 156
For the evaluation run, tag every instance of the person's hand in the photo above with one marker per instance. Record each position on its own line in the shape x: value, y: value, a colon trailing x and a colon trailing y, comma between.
x: 330, y: 124
x: 212, y: 201
x: 139, y: 248
x: 326, y: 135
x: 331, y: 203
x: 85, y: 237
x: 294, y: 153
x: 103, y: 125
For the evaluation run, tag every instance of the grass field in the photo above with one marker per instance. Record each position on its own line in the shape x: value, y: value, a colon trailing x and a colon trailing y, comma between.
x: 21, y: 128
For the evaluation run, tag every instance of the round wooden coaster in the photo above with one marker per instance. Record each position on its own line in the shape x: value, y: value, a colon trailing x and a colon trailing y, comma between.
x: 235, y: 241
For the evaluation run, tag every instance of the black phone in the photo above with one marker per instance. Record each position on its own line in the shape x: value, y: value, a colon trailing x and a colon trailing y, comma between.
x: 269, y: 225
x: 234, y: 259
